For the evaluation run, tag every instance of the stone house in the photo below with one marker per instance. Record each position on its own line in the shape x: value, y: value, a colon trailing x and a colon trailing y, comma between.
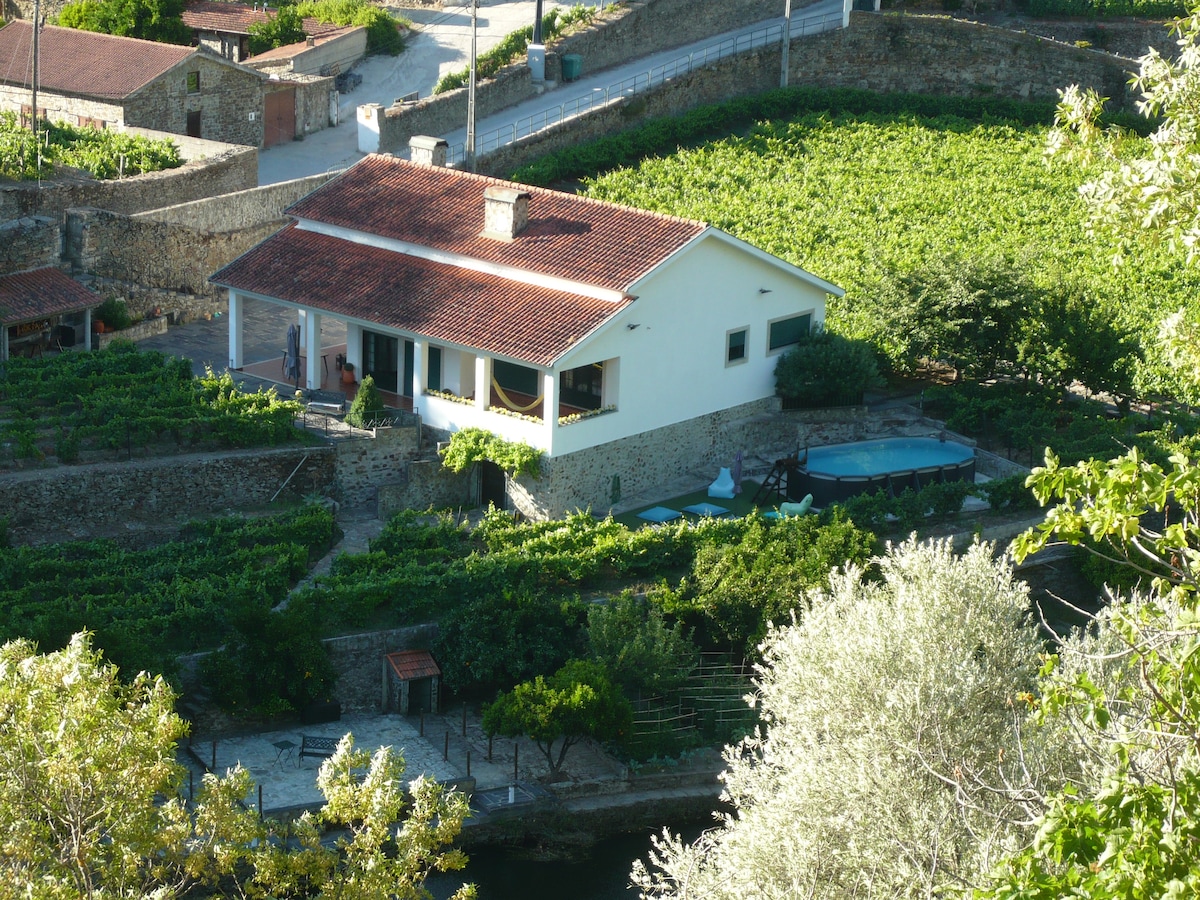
x: 106, y: 81
x: 224, y: 28
x: 631, y: 347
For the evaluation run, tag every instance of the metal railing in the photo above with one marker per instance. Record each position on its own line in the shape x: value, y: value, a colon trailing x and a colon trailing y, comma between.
x: 643, y: 81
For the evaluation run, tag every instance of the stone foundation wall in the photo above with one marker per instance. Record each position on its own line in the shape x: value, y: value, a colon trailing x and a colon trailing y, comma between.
x: 427, y: 485
x: 358, y: 661
x: 365, y: 463
x: 213, y: 169
x: 140, y: 331
x: 68, y: 502
x: 155, y: 254
x: 29, y: 243
x: 177, y: 308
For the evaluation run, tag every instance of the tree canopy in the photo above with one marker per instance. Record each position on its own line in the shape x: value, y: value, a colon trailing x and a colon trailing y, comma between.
x: 892, y: 760
x: 91, y: 804
x: 577, y: 701
x: 150, y: 20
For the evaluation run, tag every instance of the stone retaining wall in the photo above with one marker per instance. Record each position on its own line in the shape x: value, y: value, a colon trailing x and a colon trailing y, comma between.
x: 243, y: 209
x: 636, y: 28
x: 358, y: 661
x: 29, y: 243
x: 155, y: 254
x: 212, y: 168
x: 69, y: 502
x: 882, y: 53
x: 140, y: 331
x: 365, y: 463
x: 427, y: 485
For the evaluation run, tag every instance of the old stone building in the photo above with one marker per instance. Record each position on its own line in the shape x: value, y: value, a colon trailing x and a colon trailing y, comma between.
x: 105, y: 81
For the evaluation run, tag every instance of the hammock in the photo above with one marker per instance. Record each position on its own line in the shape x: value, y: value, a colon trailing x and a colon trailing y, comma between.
x: 508, y: 401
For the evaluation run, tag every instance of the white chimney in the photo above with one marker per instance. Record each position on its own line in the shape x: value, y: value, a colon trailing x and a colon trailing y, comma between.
x: 505, y: 212
x: 427, y: 151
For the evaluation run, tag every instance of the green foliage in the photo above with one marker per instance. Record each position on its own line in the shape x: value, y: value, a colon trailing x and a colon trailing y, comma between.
x: 147, y: 606
x: 150, y: 20
x: 102, y: 153
x: 1068, y: 336
x: 514, y: 45
x: 383, y: 35
x: 960, y: 312
x: 826, y: 366
x: 469, y: 446
x: 736, y: 588
x: 1008, y: 493
x: 273, y: 661
x: 1107, y: 9
x: 91, y: 803
x: 575, y: 702
x: 891, y: 761
x: 122, y: 399
x: 284, y: 28
x: 630, y: 637
x: 367, y: 405
x: 497, y: 640
x: 113, y: 314
x: 873, y: 186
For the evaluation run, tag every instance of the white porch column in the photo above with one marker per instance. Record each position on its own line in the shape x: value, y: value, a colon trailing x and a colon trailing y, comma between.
x: 418, y: 382
x: 354, y: 346
x: 550, y: 404
x: 483, y: 382
x: 300, y: 317
x: 87, y: 330
x: 4, y: 341
x: 237, y: 309
x: 311, y: 335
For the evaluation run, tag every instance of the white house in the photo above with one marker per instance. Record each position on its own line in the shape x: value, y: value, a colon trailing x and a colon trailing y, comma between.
x: 622, y: 342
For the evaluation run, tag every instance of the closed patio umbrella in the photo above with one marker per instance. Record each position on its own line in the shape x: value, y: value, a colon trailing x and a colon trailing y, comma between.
x: 292, y: 368
x: 737, y: 473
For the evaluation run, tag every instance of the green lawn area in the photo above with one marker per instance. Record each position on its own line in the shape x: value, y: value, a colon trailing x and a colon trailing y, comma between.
x: 740, y: 505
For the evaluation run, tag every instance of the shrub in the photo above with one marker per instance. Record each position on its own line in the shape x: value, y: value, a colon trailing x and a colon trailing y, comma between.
x: 367, y: 405
x: 472, y: 445
x: 825, y: 366
x: 113, y: 314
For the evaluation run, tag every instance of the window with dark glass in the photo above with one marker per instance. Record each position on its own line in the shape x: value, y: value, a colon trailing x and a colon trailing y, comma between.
x: 785, y: 332
x: 735, y: 346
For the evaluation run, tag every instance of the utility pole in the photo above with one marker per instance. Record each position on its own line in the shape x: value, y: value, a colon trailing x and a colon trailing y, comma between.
x: 37, y: 147
x: 471, y: 92
x: 787, y: 42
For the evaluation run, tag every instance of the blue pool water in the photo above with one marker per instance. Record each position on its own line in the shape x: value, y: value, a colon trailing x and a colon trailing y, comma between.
x: 886, y: 455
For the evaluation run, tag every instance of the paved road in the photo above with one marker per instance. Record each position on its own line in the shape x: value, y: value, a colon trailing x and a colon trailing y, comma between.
x: 444, y: 46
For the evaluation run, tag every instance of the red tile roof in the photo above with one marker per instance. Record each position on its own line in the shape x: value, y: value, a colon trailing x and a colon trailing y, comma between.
x: 446, y: 303
x: 236, y: 18
x: 287, y: 51
x: 84, y: 62
x: 410, y: 664
x: 40, y: 293
x: 572, y: 237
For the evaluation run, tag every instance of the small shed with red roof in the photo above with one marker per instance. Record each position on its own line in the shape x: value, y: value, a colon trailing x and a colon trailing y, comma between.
x: 41, y: 307
x: 411, y: 682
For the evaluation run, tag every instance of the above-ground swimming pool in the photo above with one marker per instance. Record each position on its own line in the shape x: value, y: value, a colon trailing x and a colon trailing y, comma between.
x: 841, y: 471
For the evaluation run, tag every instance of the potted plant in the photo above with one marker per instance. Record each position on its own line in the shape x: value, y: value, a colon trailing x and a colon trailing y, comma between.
x: 348, y: 373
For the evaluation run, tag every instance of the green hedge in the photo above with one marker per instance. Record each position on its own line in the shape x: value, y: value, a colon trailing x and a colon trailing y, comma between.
x: 1102, y: 9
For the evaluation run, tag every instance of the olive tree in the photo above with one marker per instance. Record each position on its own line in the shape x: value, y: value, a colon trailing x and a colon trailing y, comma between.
x: 90, y: 802
x: 892, y: 760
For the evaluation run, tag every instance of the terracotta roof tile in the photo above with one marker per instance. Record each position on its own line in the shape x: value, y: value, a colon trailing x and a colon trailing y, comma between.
x: 289, y: 50
x: 523, y: 322
x: 236, y: 18
x: 571, y: 237
x: 83, y: 62
x: 39, y: 293
x: 410, y: 664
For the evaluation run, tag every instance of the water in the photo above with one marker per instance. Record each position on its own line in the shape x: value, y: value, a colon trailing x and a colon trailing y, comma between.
x: 887, y: 455
x: 603, y: 874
